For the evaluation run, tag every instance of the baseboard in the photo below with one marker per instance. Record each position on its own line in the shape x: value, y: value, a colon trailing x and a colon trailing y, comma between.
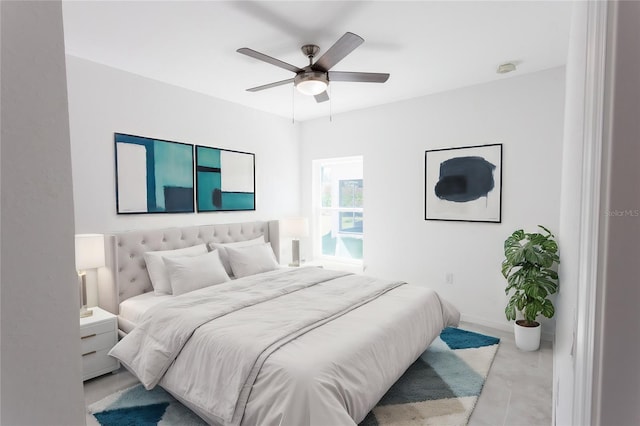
x: 547, y: 336
x: 506, y: 327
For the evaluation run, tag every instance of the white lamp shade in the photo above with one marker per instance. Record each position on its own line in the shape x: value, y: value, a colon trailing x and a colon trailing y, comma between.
x: 295, y: 227
x: 311, y: 87
x: 89, y: 251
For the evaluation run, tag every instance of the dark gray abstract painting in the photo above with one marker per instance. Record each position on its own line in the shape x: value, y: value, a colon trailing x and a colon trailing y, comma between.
x: 464, y: 183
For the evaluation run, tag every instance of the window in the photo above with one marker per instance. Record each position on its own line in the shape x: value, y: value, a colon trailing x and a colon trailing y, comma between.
x: 338, y: 208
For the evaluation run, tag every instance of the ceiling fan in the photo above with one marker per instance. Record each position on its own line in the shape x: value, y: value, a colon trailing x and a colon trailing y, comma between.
x: 314, y: 78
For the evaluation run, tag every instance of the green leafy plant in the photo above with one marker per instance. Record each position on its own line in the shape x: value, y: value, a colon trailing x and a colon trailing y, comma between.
x: 530, y: 259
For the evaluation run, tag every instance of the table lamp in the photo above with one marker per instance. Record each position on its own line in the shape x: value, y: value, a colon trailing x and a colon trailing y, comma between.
x: 89, y: 255
x: 295, y: 227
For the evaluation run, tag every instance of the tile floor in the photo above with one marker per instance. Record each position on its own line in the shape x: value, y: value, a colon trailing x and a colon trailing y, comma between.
x: 517, y: 392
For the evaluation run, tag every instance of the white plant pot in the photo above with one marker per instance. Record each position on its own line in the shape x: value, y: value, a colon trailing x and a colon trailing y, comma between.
x: 527, y: 338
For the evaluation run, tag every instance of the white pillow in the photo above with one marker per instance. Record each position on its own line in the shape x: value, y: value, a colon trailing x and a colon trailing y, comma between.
x: 252, y: 260
x: 156, y: 268
x: 191, y: 273
x: 222, y: 248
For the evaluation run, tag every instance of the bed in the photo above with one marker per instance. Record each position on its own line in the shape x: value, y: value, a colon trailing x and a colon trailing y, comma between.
x: 291, y: 346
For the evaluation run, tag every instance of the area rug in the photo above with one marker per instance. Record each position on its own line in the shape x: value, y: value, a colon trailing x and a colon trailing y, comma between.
x: 440, y: 388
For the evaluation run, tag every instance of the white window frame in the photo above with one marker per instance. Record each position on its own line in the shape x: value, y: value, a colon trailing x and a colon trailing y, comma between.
x: 318, y: 209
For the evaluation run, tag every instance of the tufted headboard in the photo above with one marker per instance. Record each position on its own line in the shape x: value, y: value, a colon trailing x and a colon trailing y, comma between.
x: 126, y: 274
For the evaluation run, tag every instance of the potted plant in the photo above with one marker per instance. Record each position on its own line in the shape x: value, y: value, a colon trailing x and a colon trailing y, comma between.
x: 529, y: 267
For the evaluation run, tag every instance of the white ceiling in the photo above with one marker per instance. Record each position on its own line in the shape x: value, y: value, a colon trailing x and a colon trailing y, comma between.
x: 426, y: 46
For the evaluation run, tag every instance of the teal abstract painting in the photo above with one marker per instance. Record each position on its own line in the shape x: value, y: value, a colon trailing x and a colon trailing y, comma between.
x: 153, y: 175
x: 225, y: 180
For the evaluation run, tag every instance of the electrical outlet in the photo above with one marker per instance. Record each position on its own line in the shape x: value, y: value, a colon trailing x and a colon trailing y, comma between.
x: 448, y: 278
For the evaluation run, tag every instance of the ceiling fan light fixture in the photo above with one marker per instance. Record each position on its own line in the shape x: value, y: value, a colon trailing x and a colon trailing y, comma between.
x: 311, y: 83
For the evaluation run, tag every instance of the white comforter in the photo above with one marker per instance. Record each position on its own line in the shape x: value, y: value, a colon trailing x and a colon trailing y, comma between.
x: 213, y: 348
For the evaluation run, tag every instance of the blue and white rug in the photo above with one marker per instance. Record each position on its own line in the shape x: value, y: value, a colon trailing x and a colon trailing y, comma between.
x: 440, y: 388
x: 137, y: 406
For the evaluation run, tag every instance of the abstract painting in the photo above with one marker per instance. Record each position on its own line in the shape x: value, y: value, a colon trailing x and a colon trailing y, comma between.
x: 153, y: 176
x: 225, y: 180
x: 464, y: 184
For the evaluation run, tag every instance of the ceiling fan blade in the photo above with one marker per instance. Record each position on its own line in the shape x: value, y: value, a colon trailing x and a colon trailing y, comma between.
x: 270, y: 85
x: 345, y: 45
x: 268, y: 59
x: 322, y: 97
x: 358, y: 77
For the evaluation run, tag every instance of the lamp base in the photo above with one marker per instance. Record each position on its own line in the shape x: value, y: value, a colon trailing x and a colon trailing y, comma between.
x: 84, y: 312
x: 295, y: 253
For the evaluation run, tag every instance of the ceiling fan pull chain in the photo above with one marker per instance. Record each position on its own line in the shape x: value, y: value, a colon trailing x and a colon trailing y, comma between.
x: 293, y: 104
x: 330, y: 104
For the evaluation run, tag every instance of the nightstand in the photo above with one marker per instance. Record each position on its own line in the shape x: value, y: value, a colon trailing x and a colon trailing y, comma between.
x: 98, y: 334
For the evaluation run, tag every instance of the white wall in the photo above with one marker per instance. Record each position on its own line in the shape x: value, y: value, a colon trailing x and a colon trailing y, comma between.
x: 620, y: 327
x: 524, y: 113
x: 41, y: 363
x: 571, y: 215
x: 103, y: 101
